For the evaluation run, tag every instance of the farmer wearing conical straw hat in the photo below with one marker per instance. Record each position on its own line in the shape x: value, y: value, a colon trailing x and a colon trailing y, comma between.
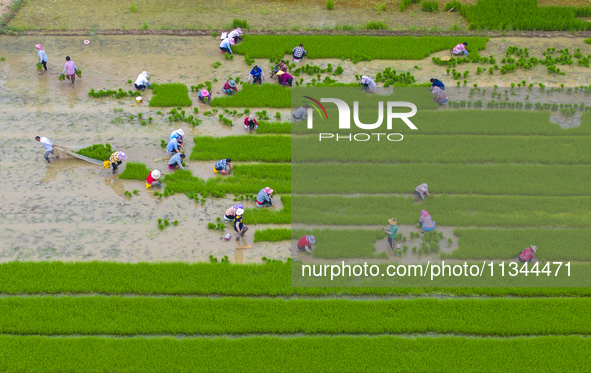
x: 391, y: 232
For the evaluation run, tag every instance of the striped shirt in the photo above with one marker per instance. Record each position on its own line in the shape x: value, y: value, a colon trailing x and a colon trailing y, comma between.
x: 221, y: 165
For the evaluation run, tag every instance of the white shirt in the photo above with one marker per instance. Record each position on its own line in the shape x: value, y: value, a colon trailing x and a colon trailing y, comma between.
x: 233, y: 34
x: 42, y: 55
x: 142, y: 78
x: 47, y: 144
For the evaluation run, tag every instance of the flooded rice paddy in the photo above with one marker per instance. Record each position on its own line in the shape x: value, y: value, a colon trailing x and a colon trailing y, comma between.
x: 72, y: 210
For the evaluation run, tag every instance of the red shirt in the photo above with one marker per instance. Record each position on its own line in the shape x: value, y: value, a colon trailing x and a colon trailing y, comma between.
x: 527, y: 254
x: 227, y: 86
x: 150, y: 179
x: 303, y: 242
x: 246, y: 122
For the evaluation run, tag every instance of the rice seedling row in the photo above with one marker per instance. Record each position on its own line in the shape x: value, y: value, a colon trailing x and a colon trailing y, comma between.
x: 356, y: 48
x: 557, y: 244
x: 499, y: 179
x: 271, y: 148
x: 116, y: 315
x: 135, y: 171
x: 459, y: 211
x: 272, y: 354
x: 170, y: 94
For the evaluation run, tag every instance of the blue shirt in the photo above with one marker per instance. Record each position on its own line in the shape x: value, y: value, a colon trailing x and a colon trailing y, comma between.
x: 226, y: 44
x: 175, y: 135
x: 438, y: 83
x: 263, y: 197
x: 256, y: 72
x: 172, y: 144
x: 176, y: 159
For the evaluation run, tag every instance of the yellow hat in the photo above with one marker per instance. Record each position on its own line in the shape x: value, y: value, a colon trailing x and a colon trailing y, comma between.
x: 392, y: 221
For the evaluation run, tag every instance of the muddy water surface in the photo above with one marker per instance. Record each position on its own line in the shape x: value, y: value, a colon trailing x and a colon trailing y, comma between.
x: 72, y: 210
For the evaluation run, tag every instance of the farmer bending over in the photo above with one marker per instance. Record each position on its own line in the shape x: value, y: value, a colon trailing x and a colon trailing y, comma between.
x: 173, y: 146
x: 231, y: 212
x: 422, y: 190
x: 368, y: 84
x: 116, y: 159
x: 177, y: 134
x: 427, y: 223
x: 235, y: 34
x: 300, y: 113
x: 298, y: 53
x: 221, y: 166
x: 460, y: 49
x: 437, y: 83
x: 257, y: 75
x: 264, y: 197
x: 284, y: 77
x: 47, y: 144
x: 239, y: 226
x: 439, y: 95
x: 230, y: 87
x: 250, y: 123
x: 528, y: 255
x: 152, y: 179
x: 176, y: 161
x: 225, y: 45
x: 142, y: 81
x: 305, y: 243
x: 204, y: 94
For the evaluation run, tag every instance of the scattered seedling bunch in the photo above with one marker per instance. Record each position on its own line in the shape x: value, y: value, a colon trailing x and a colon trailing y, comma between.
x: 128, y: 193
x: 216, y: 226
x: 163, y: 223
x: 115, y: 94
x: 389, y: 77
x: 226, y: 121
x: 98, y: 151
x: 178, y: 114
x: 200, y: 86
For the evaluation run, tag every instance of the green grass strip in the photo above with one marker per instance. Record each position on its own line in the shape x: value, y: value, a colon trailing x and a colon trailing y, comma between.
x: 329, y: 242
x: 502, y: 179
x: 272, y: 148
x: 175, y: 315
x: 40, y: 354
x: 462, y: 211
x: 211, y: 278
x: 354, y: 47
x: 263, y: 215
x: 135, y: 171
x: 272, y: 234
x: 465, y: 122
x: 446, y: 149
x: 561, y: 244
x: 244, y: 179
x: 251, y: 95
x: 273, y: 127
x: 170, y: 94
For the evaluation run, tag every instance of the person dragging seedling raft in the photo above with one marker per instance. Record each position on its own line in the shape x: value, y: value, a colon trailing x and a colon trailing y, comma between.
x: 305, y: 243
x: 70, y: 70
x: 391, y: 232
x: 460, y: 49
x: 42, y: 56
x: 239, y: 226
x: 173, y: 146
x: 221, y: 166
x: 152, y: 179
x: 142, y: 81
x: 264, y: 197
x: 422, y: 190
x: 230, y: 87
x: 427, y: 223
x: 250, y: 123
x: 116, y: 159
x: 47, y: 144
x: 231, y: 212
x: 528, y: 255
x: 176, y: 161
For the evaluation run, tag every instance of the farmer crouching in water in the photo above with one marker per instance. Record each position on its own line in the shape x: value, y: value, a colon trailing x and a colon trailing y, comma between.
x: 250, y: 123
x: 264, y: 197
x: 116, y: 159
x: 222, y: 165
x: 239, y: 226
x: 305, y: 243
x: 439, y: 95
x: 152, y: 179
x: 231, y: 212
x: 422, y: 190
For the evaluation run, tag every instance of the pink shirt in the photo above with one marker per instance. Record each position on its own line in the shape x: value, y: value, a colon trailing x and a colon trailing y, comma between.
x: 459, y: 47
x: 527, y: 254
x: 427, y: 221
x: 420, y: 191
x: 69, y: 68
